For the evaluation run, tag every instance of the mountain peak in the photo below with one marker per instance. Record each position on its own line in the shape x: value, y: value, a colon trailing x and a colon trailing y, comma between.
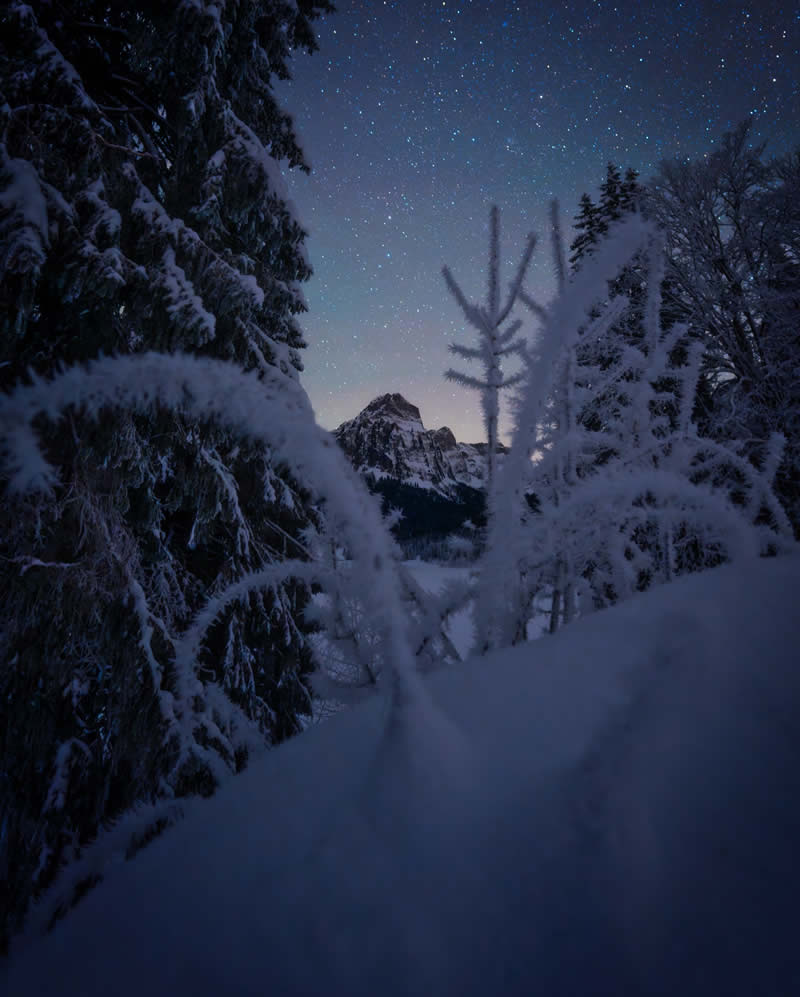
x: 388, y: 440
x: 445, y: 438
x: 393, y: 405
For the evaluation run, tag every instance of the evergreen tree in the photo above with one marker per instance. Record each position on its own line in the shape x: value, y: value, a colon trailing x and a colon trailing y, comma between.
x: 587, y: 226
x: 630, y: 191
x: 141, y: 207
x: 611, y: 196
x: 618, y: 196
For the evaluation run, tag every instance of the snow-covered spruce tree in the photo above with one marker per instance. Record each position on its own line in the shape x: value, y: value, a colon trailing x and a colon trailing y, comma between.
x: 657, y: 504
x: 256, y: 406
x: 732, y: 231
x: 494, y: 343
x: 141, y: 207
x: 619, y: 197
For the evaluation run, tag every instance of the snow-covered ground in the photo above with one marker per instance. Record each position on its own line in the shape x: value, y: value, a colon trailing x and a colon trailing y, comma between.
x: 613, y: 810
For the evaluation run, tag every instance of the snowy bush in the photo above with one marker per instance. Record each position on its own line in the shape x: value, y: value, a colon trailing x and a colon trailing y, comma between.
x: 626, y: 492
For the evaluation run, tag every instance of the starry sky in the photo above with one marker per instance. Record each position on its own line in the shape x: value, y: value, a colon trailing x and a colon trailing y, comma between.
x: 417, y: 115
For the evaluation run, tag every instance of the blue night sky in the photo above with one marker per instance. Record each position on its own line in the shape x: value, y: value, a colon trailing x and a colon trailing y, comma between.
x: 416, y: 116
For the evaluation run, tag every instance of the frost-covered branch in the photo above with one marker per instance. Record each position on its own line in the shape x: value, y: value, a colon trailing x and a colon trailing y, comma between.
x: 259, y: 409
x: 493, y: 343
x: 187, y: 648
x: 627, y: 492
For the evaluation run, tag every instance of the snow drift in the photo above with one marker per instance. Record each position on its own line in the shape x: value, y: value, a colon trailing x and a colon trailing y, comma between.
x: 612, y: 810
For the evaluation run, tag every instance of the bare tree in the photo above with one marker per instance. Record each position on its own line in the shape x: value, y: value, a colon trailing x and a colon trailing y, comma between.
x: 732, y: 230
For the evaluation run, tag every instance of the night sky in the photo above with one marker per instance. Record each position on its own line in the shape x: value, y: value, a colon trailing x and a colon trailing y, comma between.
x: 416, y: 116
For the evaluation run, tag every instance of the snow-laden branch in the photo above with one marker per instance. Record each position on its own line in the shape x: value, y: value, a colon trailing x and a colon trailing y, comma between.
x: 188, y: 647
x: 516, y: 284
x: 26, y: 563
x: 472, y: 313
x: 626, y: 491
x: 113, y: 845
x: 534, y: 306
x: 23, y: 215
x: 464, y: 379
x: 434, y: 611
x: 57, y: 791
x: 466, y: 352
x: 274, y: 410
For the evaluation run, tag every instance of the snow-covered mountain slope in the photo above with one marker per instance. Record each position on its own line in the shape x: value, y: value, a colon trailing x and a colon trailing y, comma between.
x: 611, y: 810
x: 388, y: 440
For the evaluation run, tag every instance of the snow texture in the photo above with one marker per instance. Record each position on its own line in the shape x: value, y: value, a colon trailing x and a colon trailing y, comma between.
x: 623, y: 821
x: 184, y: 305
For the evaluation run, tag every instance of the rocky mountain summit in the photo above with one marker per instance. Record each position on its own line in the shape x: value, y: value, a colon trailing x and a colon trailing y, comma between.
x: 387, y: 440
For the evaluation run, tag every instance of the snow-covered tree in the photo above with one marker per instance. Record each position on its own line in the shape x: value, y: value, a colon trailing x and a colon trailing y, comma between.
x: 200, y: 720
x: 142, y: 207
x: 494, y: 342
x: 627, y: 492
x: 733, y: 276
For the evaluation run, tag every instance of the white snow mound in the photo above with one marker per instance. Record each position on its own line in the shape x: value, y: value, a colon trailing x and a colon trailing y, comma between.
x: 613, y: 810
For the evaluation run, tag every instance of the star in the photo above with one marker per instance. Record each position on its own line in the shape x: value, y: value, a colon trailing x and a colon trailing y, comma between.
x: 417, y: 116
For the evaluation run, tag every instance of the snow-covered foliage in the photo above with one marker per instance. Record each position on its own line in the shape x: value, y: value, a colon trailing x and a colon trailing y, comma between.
x: 273, y: 411
x: 350, y: 651
x: 623, y: 821
x: 622, y: 491
x: 174, y: 523
x: 732, y: 228
x: 142, y: 207
x: 276, y: 412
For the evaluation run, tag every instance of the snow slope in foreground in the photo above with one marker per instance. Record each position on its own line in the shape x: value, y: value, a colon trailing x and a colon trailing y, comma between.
x: 613, y: 810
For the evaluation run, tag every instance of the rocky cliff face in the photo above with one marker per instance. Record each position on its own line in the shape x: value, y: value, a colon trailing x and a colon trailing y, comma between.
x: 388, y: 440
